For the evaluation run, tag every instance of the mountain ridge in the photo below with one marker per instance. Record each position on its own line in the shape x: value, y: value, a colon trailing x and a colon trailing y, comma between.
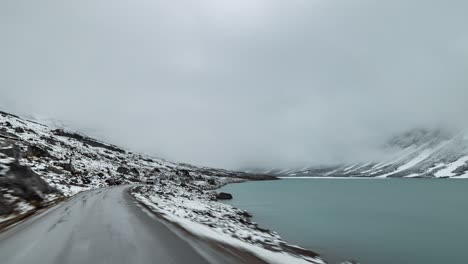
x: 418, y: 153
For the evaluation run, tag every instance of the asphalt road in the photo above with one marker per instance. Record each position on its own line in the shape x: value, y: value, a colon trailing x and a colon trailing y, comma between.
x: 97, y: 227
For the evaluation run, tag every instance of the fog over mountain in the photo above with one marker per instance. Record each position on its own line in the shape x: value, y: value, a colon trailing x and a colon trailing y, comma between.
x: 239, y: 83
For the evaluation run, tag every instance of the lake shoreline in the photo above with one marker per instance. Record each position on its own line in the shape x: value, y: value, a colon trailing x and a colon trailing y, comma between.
x: 193, y: 211
x: 364, y: 220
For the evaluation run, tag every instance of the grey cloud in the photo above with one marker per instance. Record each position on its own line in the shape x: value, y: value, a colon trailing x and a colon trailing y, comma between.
x: 238, y: 83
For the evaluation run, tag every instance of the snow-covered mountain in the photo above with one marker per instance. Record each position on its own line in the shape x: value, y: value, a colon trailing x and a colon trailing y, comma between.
x: 416, y: 153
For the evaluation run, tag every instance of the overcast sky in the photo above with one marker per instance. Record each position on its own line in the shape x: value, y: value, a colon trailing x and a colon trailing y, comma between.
x: 238, y: 83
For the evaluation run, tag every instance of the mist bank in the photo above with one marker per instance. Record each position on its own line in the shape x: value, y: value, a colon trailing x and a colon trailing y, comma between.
x: 417, y: 153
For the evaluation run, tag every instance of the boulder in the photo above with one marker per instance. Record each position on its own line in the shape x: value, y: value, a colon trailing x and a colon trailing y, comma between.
x: 183, y: 173
x: 54, y: 169
x: 19, y: 130
x: 135, y: 172
x: 123, y: 170
x: 211, y: 181
x: 224, y: 196
x: 112, y: 182
x: 49, y: 140
x: 35, y: 151
x: 68, y: 167
x: 85, y: 180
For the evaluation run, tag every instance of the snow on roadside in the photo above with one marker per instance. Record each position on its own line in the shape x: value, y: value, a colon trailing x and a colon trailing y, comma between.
x: 197, y: 212
x: 267, y: 255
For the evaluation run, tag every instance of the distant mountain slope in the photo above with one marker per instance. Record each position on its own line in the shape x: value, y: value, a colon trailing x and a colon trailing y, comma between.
x: 417, y: 153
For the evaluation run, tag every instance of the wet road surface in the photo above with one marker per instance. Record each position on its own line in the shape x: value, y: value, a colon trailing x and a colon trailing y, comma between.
x: 96, y: 227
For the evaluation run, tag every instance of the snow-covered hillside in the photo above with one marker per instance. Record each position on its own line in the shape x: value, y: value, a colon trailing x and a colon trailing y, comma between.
x: 38, y: 161
x: 417, y: 153
x: 42, y: 164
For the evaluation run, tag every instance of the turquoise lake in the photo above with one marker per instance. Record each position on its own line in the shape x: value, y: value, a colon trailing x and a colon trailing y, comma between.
x: 374, y: 221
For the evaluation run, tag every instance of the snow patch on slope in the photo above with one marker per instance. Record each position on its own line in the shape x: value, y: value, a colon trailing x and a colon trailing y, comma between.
x: 421, y: 157
x: 448, y: 171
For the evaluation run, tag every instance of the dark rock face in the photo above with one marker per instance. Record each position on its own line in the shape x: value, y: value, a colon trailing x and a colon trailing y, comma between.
x: 87, y: 140
x: 8, y: 114
x: 224, y: 196
x: 25, y: 183
x: 462, y: 169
